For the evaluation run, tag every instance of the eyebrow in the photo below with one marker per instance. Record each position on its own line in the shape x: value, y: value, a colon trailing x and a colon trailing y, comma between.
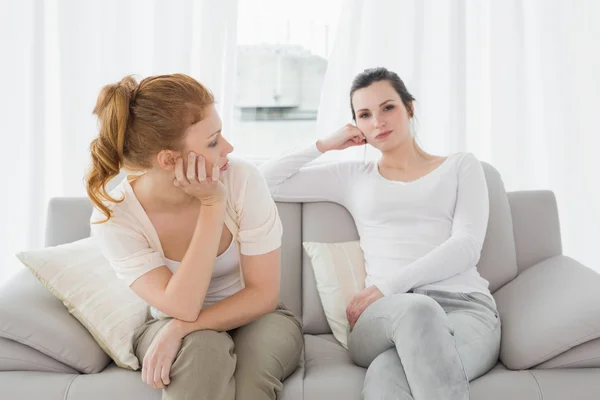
x: 364, y: 109
x: 217, y: 132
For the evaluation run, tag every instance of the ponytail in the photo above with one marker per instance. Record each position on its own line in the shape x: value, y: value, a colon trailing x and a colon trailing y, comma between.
x: 107, y: 150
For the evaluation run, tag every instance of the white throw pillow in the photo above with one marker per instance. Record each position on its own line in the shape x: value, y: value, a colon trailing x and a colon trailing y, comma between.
x: 80, y: 276
x: 340, y: 272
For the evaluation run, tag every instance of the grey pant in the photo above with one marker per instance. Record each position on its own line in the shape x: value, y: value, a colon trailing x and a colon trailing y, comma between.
x: 247, y: 363
x: 425, y: 345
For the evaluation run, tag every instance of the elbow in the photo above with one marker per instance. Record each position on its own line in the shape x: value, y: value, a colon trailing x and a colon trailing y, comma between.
x: 270, y: 301
x: 474, y: 246
x: 186, y: 314
x: 189, y: 317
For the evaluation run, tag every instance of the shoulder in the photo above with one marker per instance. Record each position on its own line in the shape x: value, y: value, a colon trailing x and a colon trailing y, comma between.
x: 464, y: 161
x: 239, y: 174
x: 122, y: 212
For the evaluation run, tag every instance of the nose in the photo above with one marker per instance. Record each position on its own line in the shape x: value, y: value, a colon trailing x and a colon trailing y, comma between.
x: 378, y: 123
x: 228, y: 148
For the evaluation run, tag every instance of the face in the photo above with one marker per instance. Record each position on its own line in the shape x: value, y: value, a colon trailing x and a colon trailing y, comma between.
x: 381, y: 116
x: 204, y: 138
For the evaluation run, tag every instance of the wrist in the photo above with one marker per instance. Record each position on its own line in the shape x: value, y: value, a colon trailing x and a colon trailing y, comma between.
x: 217, y: 206
x: 322, y: 146
x: 177, y: 328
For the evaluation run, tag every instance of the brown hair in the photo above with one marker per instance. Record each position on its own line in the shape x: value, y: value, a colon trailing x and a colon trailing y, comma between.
x: 137, y: 121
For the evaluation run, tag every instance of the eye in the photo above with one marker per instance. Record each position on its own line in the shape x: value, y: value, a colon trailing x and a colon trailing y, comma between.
x: 363, y: 115
x: 213, y: 144
x: 389, y: 107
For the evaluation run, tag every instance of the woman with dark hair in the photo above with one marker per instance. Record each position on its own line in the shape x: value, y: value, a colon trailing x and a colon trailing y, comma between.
x: 426, y: 323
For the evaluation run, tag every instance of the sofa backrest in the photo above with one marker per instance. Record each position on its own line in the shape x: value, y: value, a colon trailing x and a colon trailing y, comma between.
x: 536, y: 231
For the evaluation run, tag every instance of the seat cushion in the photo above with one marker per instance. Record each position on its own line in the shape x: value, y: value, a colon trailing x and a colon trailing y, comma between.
x: 31, y: 315
x: 503, y: 384
x: 329, y: 371
x: 548, y: 309
x: 15, y: 356
x: 33, y: 385
x: 113, y: 383
x: 293, y: 386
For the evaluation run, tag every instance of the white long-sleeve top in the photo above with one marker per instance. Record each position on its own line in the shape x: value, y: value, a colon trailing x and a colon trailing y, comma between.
x: 425, y: 234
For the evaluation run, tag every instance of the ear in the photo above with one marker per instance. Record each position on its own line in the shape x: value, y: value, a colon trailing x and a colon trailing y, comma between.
x: 411, y: 109
x: 167, y: 159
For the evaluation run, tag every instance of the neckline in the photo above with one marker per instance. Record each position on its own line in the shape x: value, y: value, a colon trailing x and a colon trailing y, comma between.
x: 227, y: 250
x: 419, y: 179
x: 145, y: 220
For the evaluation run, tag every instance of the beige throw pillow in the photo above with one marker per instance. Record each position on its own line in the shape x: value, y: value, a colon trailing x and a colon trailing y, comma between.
x: 78, y: 274
x: 339, y: 272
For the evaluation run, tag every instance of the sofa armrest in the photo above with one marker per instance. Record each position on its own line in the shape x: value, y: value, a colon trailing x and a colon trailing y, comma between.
x: 546, y: 310
x: 536, y: 226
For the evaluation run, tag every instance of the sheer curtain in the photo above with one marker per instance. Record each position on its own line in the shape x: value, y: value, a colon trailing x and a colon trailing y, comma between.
x: 514, y: 82
x: 56, y: 56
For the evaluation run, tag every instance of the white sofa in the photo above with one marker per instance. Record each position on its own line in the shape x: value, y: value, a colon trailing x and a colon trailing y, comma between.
x: 549, y: 305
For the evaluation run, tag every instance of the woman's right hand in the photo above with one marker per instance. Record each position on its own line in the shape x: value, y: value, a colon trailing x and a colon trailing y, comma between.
x: 348, y: 136
x: 192, y: 179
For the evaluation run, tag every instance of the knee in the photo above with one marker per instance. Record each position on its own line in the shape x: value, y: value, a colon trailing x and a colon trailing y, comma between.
x: 209, y: 349
x: 421, y: 310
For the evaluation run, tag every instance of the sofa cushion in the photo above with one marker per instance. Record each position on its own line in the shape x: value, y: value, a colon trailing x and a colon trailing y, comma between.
x: 15, y: 356
x: 34, y: 385
x: 503, y: 384
x: 329, y: 371
x: 317, y: 226
x: 536, y: 226
x: 586, y: 355
x: 113, y: 383
x: 31, y: 315
x: 81, y: 277
x: 547, y: 310
x: 561, y: 384
x: 339, y: 270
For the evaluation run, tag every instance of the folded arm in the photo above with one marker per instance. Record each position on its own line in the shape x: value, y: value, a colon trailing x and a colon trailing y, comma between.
x: 463, y: 249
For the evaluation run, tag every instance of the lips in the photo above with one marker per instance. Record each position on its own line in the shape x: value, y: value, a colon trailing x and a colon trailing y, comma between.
x: 224, y: 167
x: 383, y: 135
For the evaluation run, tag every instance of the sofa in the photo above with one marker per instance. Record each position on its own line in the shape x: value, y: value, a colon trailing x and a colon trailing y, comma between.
x: 549, y: 305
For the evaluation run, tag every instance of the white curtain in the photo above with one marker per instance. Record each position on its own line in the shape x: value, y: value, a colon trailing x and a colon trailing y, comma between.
x: 56, y: 56
x: 515, y: 82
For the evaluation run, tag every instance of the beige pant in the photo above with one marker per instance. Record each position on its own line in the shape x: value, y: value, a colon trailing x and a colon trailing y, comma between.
x: 249, y: 362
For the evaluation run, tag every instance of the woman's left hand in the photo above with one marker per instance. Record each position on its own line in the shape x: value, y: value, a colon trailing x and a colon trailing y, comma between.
x: 360, y: 302
x: 156, y: 367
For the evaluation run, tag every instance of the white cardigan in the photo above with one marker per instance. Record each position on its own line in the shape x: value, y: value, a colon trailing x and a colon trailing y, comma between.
x: 132, y: 246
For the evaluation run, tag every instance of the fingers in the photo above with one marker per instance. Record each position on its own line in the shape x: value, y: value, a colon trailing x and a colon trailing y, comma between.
x: 215, y: 173
x: 201, y: 169
x: 179, y: 175
x: 191, y: 167
x: 166, y: 373
x: 158, y: 383
x: 195, y: 171
x: 145, y: 372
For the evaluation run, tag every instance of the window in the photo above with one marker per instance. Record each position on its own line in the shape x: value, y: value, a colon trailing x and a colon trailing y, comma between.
x: 281, y: 62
